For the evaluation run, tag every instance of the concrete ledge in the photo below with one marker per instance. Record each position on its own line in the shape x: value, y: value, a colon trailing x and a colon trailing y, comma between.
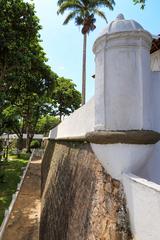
x: 128, y: 137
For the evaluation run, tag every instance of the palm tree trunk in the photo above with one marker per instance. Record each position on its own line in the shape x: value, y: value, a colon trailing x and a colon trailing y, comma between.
x: 84, y: 69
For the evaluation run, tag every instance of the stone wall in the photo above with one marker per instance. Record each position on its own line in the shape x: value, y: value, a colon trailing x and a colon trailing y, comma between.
x: 79, y: 200
x: 49, y: 149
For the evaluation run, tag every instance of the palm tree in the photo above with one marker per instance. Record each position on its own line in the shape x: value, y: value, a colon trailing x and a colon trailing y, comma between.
x: 83, y: 12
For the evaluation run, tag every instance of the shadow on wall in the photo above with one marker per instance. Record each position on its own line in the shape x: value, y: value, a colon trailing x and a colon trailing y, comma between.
x: 150, y: 171
x: 79, y: 200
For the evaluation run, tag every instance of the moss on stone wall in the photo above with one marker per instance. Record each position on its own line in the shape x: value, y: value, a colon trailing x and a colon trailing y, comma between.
x: 80, y: 201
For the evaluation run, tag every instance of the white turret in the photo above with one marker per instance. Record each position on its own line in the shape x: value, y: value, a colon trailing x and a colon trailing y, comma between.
x: 122, y: 91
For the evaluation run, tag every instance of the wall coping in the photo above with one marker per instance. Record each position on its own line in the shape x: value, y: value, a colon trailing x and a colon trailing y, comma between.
x: 70, y: 139
x: 126, y: 137
x: 111, y: 137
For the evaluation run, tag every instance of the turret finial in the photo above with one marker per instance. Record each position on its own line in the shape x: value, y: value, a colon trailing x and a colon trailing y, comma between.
x: 120, y: 17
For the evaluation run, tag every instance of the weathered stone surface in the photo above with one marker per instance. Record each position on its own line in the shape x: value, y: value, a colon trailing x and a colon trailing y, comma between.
x: 80, y: 201
x: 46, y: 161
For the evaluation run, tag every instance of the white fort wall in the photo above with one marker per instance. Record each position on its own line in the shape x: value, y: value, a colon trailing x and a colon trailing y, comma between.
x: 127, y: 97
x: 151, y: 170
x: 143, y: 189
x: 143, y: 200
x: 155, y: 91
x: 121, y: 158
x: 77, y: 124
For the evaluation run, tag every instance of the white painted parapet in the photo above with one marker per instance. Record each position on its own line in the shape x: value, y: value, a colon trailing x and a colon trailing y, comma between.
x: 77, y: 124
x: 143, y: 200
x: 123, y: 77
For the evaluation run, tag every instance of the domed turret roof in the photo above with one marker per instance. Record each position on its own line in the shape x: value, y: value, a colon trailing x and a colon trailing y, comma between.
x: 120, y: 24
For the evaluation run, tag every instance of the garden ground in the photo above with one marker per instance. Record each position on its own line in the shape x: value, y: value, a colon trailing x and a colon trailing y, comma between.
x: 24, y: 219
x: 8, y: 185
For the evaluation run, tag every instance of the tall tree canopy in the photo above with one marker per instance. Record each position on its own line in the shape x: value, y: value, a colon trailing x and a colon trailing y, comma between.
x: 66, y: 98
x: 83, y: 12
x: 46, y: 123
x: 30, y: 99
x: 26, y: 81
x: 18, y: 31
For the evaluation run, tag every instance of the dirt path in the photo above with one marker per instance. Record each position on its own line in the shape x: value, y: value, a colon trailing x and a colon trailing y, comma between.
x: 24, y: 221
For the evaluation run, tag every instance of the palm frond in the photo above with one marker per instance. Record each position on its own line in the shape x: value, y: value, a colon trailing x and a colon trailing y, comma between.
x: 100, y: 14
x: 70, y: 17
x: 84, y: 12
x: 85, y: 2
x: 68, y: 5
x: 79, y: 20
x: 102, y: 3
x: 61, y: 1
x: 142, y: 2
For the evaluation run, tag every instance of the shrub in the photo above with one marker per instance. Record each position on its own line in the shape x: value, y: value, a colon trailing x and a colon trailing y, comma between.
x: 35, y: 144
x: 1, y: 145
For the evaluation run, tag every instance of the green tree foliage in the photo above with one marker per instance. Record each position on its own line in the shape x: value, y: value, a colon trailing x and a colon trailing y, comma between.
x: 30, y: 103
x: 35, y: 144
x: 11, y: 120
x: 83, y: 12
x: 65, y: 97
x: 46, y: 123
x: 141, y: 2
x: 26, y: 80
x: 18, y: 31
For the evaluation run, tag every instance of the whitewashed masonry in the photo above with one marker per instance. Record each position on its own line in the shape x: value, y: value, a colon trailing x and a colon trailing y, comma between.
x: 125, y: 107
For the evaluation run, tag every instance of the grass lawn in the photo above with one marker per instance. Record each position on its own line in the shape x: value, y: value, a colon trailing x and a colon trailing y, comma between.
x: 13, y: 171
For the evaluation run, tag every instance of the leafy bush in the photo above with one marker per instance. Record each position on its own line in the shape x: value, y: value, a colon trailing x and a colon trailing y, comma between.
x: 35, y: 144
x: 21, y: 155
x: 1, y: 163
x: 1, y: 145
x: 1, y: 149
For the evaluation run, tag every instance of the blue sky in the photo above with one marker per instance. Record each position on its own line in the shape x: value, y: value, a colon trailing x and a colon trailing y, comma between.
x: 63, y: 44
